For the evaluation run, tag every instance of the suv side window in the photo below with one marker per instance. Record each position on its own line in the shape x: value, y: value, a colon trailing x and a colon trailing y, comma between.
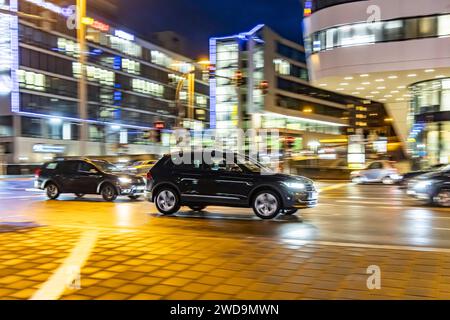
x: 85, y: 167
x: 193, y: 163
x: 51, y: 166
x: 68, y: 167
x: 221, y: 165
x: 376, y: 165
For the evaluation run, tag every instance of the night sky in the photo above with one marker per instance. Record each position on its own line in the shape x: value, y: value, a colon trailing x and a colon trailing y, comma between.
x: 198, y: 20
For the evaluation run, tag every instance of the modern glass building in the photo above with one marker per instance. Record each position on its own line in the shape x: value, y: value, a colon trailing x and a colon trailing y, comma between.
x: 391, y: 52
x: 287, y: 101
x: 274, y: 93
x: 131, y: 86
x: 430, y: 120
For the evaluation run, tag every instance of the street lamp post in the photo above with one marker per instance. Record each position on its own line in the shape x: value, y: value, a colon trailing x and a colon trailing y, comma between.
x: 82, y: 85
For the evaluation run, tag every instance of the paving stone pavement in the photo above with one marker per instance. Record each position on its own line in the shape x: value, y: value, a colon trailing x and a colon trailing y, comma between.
x: 161, y: 265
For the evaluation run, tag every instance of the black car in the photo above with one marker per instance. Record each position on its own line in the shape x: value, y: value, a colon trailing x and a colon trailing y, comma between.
x: 403, y: 182
x: 432, y: 188
x: 228, y: 180
x: 86, y: 176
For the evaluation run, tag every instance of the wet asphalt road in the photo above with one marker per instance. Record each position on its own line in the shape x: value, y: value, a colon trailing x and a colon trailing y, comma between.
x: 347, y: 213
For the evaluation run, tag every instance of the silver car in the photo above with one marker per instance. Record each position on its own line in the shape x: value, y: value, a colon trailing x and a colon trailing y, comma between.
x: 377, y: 172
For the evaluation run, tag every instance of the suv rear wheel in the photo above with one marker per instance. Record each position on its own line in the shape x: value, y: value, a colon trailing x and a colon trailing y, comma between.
x: 52, y: 191
x: 167, y: 201
x: 267, y: 205
x: 109, y: 193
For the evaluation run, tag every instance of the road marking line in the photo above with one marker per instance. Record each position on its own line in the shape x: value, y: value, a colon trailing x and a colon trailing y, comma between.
x: 34, y: 190
x: 64, y: 275
x: 333, y: 187
x: 370, y: 246
x: 23, y: 197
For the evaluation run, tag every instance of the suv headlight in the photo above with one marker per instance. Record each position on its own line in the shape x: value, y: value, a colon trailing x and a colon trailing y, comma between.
x: 423, y: 185
x: 295, y: 185
x: 124, y: 180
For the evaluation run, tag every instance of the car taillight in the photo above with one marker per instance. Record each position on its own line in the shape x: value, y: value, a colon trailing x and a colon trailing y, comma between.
x: 149, y: 176
x: 38, y: 172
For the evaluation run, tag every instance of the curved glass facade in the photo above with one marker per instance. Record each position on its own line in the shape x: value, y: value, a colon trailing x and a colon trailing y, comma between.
x: 430, y: 121
x: 383, y: 31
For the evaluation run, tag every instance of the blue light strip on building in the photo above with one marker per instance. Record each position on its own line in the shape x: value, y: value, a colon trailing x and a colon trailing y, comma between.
x: 14, y: 28
x: 212, y: 84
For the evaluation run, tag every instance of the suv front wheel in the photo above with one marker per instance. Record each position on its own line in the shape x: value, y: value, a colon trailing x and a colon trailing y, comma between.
x: 167, y: 201
x: 267, y: 205
x: 109, y: 193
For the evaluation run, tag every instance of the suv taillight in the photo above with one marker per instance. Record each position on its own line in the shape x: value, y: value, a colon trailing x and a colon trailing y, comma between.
x: 38, y: 172
x: 149, y: 176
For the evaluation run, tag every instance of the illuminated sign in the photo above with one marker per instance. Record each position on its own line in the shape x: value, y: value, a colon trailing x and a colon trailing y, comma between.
x: 307, y: 11
x: 48, y: 148
x: 124, y: 35
x: 67, y: 12
x: 95, y: 24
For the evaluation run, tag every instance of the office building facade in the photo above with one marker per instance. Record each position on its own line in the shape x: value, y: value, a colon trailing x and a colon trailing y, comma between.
x: 275, y: 93
x: 131, y: 86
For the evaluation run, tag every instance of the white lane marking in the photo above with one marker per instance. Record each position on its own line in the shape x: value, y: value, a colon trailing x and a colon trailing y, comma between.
x: 64, y: 275
x: 368, y: 246
x: 21, y: 197
x: 333, y: 187
x: 443, y: 229
x: 34, y: 190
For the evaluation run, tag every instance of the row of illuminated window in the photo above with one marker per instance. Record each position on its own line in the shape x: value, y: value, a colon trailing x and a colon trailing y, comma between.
x: 95, y: 74
x: 281, y: 122
x: 69, y: 47
x: 67, y: 108
x: 285, y: 68
x: 381, y: 31
x: 59, y: 129
x: 309, y: 107
x: 431, y: 96
x: 148, y: 87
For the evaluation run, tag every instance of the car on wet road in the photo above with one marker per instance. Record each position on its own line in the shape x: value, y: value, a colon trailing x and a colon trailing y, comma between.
x: 377, y: 172
x: 432, y: 188
x: 233, y: 180
x: 84, y: 176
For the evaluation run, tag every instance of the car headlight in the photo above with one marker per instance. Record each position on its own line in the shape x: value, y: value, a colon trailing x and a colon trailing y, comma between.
x: 422, y: 185
x: 295, y: 185
x: 124, y: 180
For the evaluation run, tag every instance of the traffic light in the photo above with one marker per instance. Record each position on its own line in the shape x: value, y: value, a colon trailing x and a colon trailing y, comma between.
x: 264, y: 87
x: 239, y: 78
x: 290, y: 142
x: 159, y: 126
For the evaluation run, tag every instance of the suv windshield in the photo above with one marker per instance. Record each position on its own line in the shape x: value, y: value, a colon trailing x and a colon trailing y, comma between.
x: 106, y: 166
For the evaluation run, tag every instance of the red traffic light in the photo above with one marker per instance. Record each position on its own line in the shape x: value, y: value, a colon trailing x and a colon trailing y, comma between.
x: 160, y: 125
x: 264, y: 86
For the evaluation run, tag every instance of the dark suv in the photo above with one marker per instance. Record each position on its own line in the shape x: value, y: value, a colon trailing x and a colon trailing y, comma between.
x: 87, y: 177
x: 227, y: 180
